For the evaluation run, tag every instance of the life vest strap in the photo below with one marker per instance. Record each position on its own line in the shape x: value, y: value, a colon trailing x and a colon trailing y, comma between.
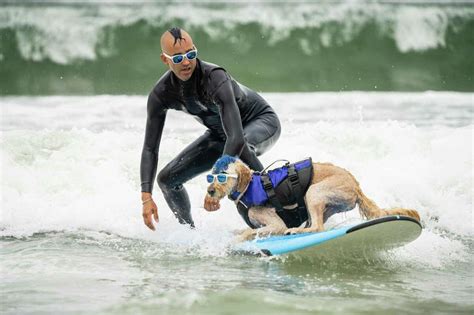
x: 297, y: 191
x: 272, y: 197
x: 292, y: 217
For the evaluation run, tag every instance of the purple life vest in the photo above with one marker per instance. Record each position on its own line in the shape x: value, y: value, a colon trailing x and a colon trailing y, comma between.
x: 255, y: 195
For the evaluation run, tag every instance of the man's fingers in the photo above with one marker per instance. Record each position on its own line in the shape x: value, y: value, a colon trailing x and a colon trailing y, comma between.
x: 155, y: 214
x: 207, y: 204
x: 149, y: 224
x: 211, y: 204
x: 147, y: 220
x: 214, y: 205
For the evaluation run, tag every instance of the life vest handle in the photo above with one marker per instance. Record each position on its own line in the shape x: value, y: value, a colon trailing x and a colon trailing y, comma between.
x: 280, y: 160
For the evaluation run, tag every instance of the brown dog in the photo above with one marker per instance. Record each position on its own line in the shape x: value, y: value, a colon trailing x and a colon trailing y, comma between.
x: 331, y: 187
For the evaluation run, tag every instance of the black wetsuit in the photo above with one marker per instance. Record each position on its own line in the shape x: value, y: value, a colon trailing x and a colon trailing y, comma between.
x: 239, y: 121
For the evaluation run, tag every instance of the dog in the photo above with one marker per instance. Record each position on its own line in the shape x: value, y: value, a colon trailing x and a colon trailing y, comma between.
x: 331, y: 189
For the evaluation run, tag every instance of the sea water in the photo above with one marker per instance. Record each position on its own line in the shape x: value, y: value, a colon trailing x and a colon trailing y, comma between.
x: 72, y: 239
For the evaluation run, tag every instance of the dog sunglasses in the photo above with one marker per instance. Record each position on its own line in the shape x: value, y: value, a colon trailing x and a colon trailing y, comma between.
x: 221, y: 178
x: 177, y: 59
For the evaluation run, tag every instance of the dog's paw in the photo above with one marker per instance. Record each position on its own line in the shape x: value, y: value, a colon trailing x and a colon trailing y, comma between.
x: 292, y: 231
x: 238, y: 231
x: 300, y: 230
x: 246, y: 235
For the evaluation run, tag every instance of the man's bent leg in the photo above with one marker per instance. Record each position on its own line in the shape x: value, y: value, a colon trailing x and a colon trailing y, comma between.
x: 195, y: 159
x: 260, y: 135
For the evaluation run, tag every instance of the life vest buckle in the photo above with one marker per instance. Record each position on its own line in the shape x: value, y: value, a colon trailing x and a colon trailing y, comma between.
x: 267, y: 184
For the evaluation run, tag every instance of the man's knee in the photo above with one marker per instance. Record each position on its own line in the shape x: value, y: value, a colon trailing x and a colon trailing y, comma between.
x: 166, y: 179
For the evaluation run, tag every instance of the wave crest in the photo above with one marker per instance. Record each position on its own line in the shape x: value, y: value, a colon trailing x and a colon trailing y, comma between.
x: 66, y: 34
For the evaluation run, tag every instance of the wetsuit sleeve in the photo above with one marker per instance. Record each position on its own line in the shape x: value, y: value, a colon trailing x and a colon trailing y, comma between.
x: 223, y: 95
x: 156, y: 116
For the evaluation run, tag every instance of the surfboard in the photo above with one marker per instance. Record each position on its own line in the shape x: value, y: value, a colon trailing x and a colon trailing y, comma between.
x: 369, y: 237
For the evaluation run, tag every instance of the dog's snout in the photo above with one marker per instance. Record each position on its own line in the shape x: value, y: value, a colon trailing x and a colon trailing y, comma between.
x: 211, y: 191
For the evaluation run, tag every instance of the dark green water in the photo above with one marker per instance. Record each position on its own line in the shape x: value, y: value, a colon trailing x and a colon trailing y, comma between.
x: 72, y: 238
x: 96, y: 272
x: 65, y: 47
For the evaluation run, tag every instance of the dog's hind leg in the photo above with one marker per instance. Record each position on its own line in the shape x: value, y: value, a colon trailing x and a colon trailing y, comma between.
x: 316, y: 202
x: 323, y: 200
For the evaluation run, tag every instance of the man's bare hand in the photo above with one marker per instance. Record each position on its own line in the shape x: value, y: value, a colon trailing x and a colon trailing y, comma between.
x: 211, y: 204
x: 150, y: 209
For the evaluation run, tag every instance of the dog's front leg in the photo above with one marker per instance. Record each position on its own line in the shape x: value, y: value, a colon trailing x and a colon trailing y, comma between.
x: 271, y: 223
x: 246, y: 235
x: 250, y: 234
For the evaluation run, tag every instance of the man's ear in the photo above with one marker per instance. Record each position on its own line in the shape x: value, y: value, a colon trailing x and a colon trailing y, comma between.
x: 164, y: 59
x: 243, y: 171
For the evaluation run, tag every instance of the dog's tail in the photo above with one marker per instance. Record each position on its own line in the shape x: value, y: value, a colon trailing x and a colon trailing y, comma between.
x: 370, y: 210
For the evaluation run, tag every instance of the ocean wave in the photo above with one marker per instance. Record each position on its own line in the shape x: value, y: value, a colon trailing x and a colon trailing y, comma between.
x: 78, y: 180
x: 92, y: 48
x: 82, y: 173
x: 66, y: 34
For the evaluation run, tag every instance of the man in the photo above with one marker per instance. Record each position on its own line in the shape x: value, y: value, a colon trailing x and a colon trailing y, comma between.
x: 239, y: 121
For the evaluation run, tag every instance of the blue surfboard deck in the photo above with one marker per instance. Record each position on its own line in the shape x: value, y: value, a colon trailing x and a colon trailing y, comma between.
x: 371, y: 236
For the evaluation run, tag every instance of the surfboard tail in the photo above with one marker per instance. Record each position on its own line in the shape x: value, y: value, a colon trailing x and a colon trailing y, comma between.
x: 369, y: 209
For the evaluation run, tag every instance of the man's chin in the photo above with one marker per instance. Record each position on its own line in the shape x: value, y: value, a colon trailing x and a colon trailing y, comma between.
x: 185, y: 76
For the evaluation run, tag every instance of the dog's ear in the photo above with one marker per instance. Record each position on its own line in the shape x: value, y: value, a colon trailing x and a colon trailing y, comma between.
x: 244, y: 174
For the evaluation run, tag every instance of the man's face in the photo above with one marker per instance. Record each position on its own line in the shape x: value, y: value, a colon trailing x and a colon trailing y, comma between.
x: 185, y: 69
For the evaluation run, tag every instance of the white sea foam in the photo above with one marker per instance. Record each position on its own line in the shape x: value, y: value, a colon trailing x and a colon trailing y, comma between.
x: 72, y: 163
x: 419, y: 30
x: 65, y: 34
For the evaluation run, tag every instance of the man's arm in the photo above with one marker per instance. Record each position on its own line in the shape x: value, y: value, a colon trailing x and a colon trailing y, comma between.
x: 231, y: 121
x: 229, y: 112
x: 156, y: 116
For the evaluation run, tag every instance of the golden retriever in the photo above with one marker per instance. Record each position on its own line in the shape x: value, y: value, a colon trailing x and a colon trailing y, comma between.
x: 331, y: 187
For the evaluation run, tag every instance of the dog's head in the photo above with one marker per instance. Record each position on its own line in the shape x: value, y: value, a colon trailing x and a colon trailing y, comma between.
x: 229, y: 174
